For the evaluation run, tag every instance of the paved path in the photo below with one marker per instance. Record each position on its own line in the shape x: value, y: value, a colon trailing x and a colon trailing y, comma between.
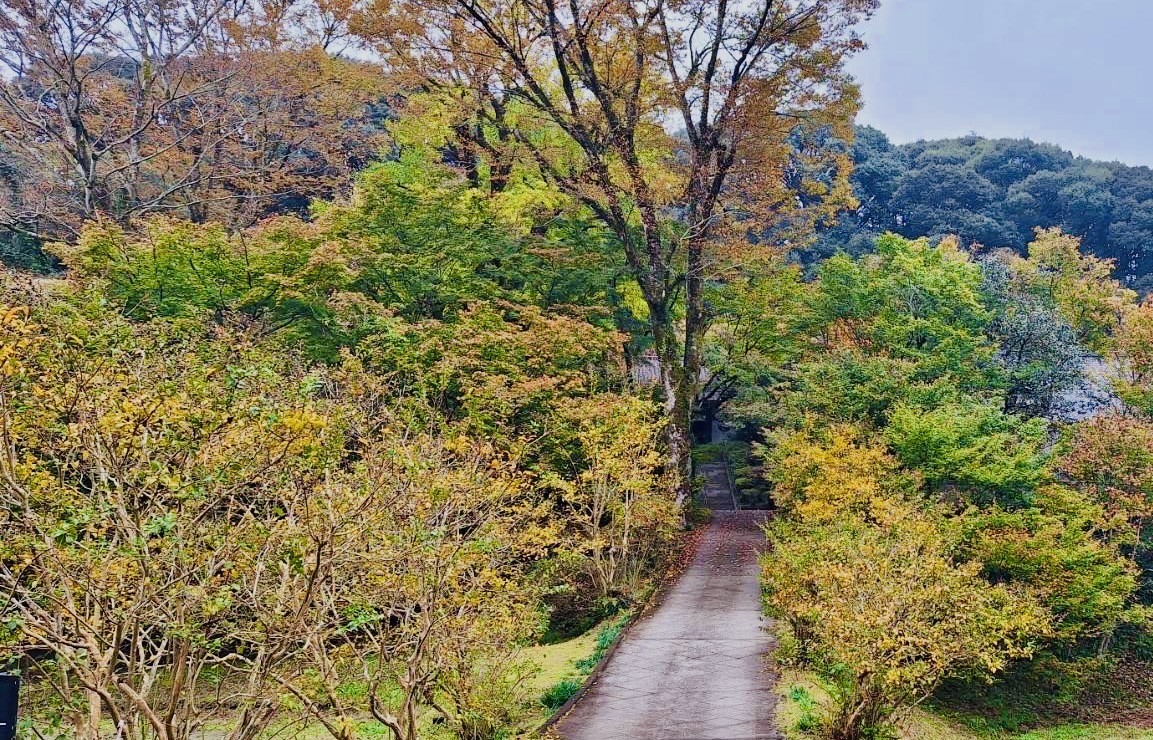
x: 717, y: 494
x: 696, y: 667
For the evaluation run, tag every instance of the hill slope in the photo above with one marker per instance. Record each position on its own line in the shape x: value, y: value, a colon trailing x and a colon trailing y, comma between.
x: 994, y: 192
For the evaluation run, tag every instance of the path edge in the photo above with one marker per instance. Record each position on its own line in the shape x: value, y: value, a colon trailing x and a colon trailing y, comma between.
x: 669, y: 578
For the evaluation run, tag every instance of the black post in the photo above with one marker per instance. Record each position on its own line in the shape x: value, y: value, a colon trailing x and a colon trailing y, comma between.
x: 9, y: 694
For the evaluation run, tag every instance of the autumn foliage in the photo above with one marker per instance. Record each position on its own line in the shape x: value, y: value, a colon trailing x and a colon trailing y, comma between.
x: 383, y: 330
x: 185, y: 500
x: 925, y: 533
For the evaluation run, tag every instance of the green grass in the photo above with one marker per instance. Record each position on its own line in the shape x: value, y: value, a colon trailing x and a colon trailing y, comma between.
x: 563, y: 666
x: 800, y: 704
x: 558, y: 660
x: 802, y: 700
x: 556, y: 695
x: 809, y: 716
x: 606, y: 636
x: 1088, y: 732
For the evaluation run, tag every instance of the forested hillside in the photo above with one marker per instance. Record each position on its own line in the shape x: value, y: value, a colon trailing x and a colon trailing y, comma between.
x: 994, y: 192
x: 358, y: 362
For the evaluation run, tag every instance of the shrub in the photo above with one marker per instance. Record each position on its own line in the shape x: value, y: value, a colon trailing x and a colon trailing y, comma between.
x: 556, y: 695
x: 973, y: 446
x: 487, y: 697
x: 885, y: 614
x: 823, y: 475
x: 1055, y: 551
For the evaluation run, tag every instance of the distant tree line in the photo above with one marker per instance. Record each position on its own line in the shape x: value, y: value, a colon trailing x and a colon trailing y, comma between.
x: 995, y: 192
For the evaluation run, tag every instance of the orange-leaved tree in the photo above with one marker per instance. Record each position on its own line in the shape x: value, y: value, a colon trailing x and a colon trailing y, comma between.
x: 210, y: 110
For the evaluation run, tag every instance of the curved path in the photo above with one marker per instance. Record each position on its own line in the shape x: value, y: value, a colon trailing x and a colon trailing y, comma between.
x: 696, y: 667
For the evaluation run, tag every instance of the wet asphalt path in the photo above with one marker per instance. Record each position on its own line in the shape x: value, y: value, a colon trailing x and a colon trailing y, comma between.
x: 696, y: 667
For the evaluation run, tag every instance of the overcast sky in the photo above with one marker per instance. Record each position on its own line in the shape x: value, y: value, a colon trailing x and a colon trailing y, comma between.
x: 1078, y: 73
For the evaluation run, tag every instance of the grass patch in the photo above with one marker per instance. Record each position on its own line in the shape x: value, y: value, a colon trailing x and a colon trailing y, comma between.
x: 1088, y: 732
x: 920, y: 724
x: 558, y: 660
x: 607, y: 635
x: 803, y: 701
x: 564, y: 665
x: 556, y: 695
x: 923, y: 724
x: 808, y: 712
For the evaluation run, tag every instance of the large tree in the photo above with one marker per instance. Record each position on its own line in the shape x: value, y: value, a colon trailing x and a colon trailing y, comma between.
x: 685, y: 126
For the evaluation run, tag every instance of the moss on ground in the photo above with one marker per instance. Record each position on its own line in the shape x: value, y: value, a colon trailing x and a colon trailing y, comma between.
x: 558, y: 660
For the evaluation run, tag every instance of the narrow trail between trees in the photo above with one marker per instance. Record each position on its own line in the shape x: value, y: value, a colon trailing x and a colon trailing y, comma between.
x: 696, y: 667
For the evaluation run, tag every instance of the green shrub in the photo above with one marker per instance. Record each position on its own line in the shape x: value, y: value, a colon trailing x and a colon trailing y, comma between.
x: 556, y: 695
x: 972, y: 446
x: 609, y: 634
x: 885, y: 642
x: 707, y: 453
x: 697, y: 514
x: 605, y: 639
x: 810, y: 717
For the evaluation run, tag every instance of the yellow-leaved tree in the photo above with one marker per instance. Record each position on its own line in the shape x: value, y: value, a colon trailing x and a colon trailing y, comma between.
x: 866, y: 573
x: 885, y: 612
x: 199, y: 529
x: 612, y: 494
x: 1080, y: 286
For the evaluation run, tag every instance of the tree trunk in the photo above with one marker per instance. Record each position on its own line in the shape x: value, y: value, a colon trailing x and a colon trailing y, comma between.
x: 679, y: 437
x: 680, y: 366
x: 89, y: 728
x: 678, y: 399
